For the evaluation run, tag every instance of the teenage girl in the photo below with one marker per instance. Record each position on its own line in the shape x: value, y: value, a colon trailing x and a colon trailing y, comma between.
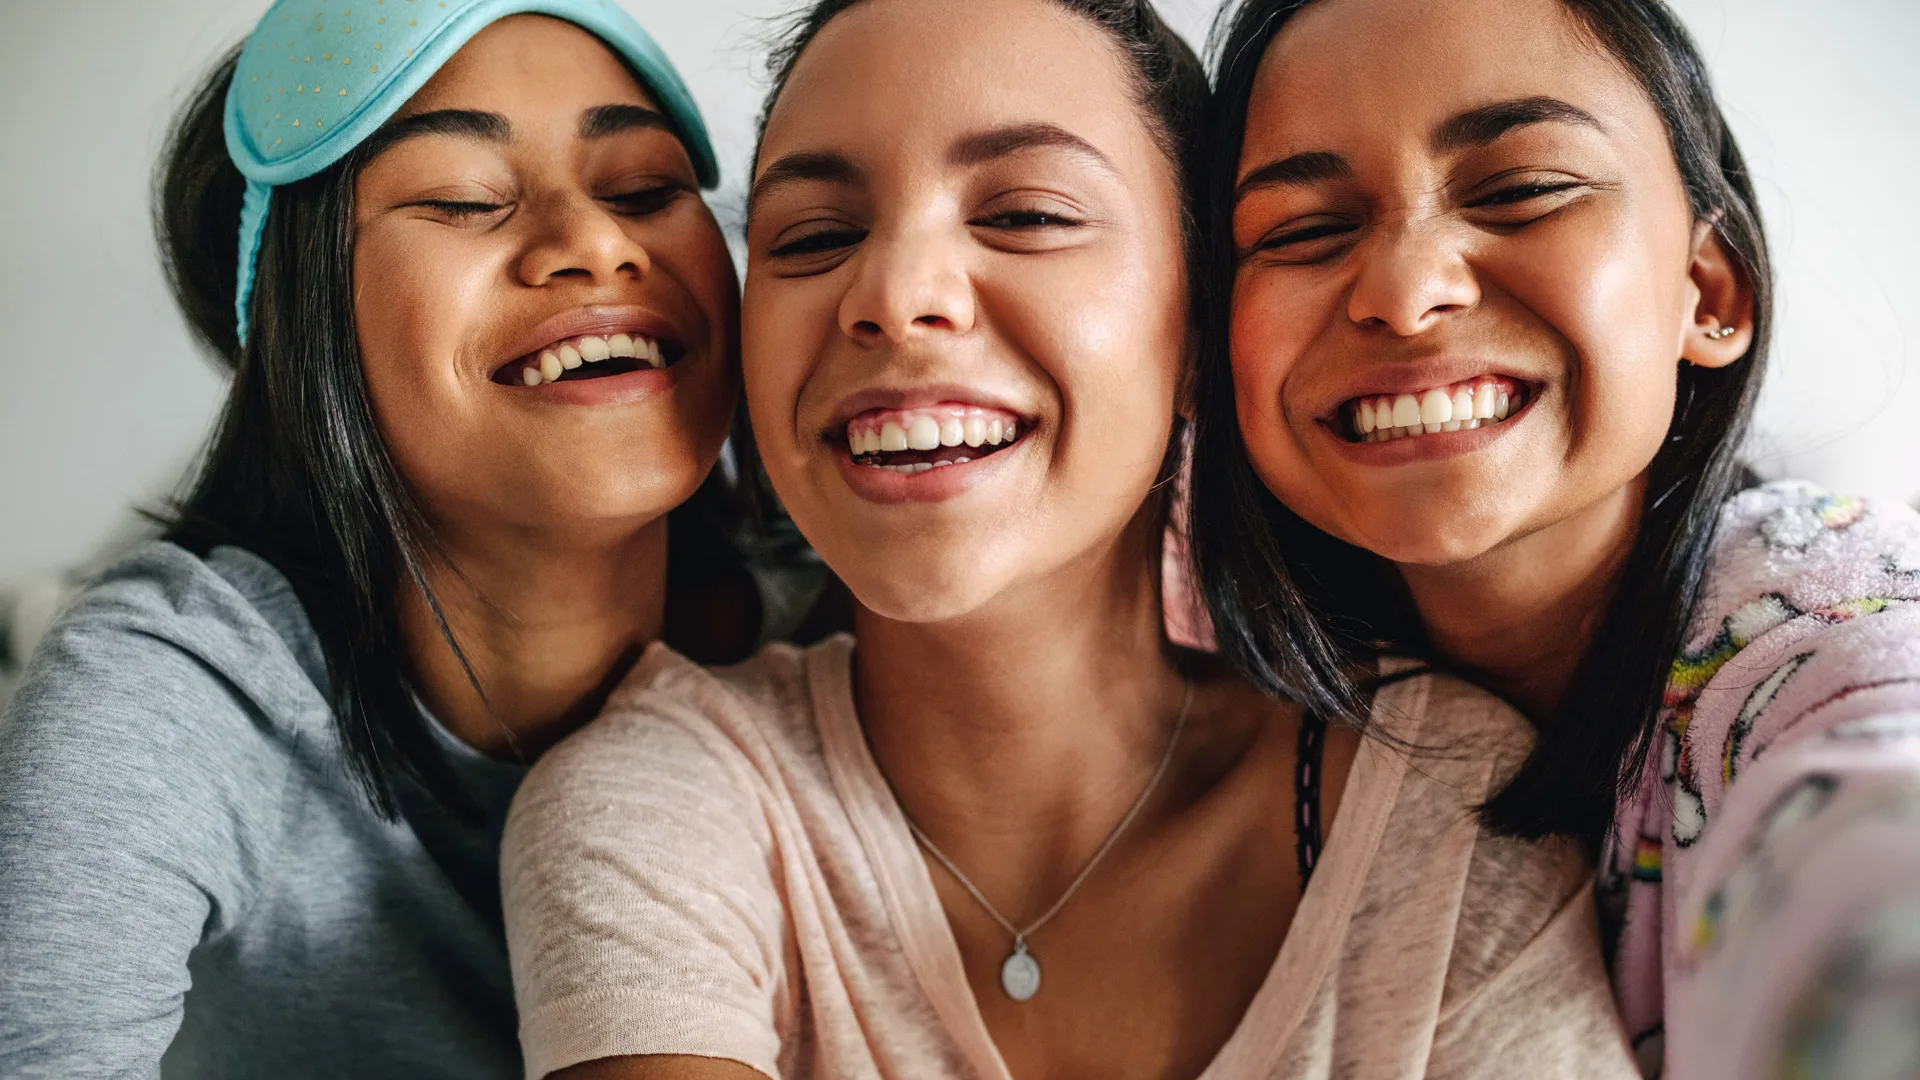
x: 1494, y: 301
x: 1014, y: 832
x: 483, y: 342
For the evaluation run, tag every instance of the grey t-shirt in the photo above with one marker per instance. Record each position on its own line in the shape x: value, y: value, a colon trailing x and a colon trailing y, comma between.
x: 190, y: 886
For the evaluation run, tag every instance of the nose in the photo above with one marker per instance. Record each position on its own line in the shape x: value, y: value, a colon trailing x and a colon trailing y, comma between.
x: 905, y: 286
x: 575, y: 238
x: 1411, y: 276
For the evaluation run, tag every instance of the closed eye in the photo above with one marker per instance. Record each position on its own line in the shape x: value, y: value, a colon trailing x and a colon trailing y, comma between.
x: 456, y: 209
x: 645, y: 201
x: 818, y: 242
x: 1025, y: 219
x: 1521, y: 193
x: 1305, y: 242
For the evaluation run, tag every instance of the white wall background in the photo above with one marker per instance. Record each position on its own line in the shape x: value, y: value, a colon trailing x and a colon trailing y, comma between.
x: 103, y: 401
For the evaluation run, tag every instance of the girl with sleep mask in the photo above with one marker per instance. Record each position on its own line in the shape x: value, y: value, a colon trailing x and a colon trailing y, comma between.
x: 482, y: 330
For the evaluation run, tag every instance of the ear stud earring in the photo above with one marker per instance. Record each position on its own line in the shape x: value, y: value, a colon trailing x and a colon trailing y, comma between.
x: 1723, y: 333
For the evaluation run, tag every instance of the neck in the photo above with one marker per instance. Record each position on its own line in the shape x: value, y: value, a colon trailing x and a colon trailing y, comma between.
x: 1522, y: 615
x: 1035, y: 720
x: 549, y: 624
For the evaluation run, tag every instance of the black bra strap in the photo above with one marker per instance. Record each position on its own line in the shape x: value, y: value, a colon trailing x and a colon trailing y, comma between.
x: 1306, y: 793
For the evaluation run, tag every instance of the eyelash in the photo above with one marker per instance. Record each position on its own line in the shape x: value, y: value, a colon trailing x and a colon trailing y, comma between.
x: 1520, y: 193
x: 638, y: 203
x: 829, y: 240
x: 459, y: 209
x: 1504, y: 197
x: 648, y: 200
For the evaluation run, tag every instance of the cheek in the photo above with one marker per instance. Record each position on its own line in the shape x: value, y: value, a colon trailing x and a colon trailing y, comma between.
x: 786, y: 327
x: 1614, y: 287
x: 415, y: 299
x: 1264, y: 347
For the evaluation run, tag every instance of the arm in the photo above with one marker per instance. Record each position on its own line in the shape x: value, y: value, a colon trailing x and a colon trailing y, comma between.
x: 678, y: 1067
x: 131, y: 805
x: 646, y: 932
x: 1797, y: 825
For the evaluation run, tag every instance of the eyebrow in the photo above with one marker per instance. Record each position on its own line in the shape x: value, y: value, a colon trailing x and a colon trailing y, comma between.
x: 801, y: 167
x: 1475, y: 127
x: 984, y: 146
x: 1478, y: 127
x: 460, y: 123
x: 1298, y: 170
x: 604, y: 120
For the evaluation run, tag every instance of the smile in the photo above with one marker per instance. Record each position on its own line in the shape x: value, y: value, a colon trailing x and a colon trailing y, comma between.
x: 910, y: 441
x: 1482, y: 401
x: 589, y: 356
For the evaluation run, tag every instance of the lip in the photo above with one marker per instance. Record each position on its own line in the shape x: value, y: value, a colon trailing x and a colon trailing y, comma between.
x: 920, y: 397
x: 601, y: 321
x: 1413, y: 377
x: 933, y: 486
x: 1436, y: 447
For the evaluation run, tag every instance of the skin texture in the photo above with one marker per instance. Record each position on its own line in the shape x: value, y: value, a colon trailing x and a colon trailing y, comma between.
x: 1560, y: 253
x: 553, y: 513
x: 1012, y: 675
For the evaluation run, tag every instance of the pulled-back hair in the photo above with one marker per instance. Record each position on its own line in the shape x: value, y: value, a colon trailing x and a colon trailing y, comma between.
x: 1169, y: 86
x: 1299, y: 611
x: 297, y: 472
x: 1169, y: 83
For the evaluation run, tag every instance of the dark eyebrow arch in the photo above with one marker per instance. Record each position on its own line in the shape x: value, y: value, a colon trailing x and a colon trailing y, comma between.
x: 460, y: 123
x: 801, y: 167
x: 1478, y: 127
x: 604, y: 120
x: 985, y: 146
x: 1296, y: 171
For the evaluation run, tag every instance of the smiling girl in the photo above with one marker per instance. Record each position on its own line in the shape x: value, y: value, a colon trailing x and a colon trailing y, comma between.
x: 483, y: 335
x: 1014, y: 832
x: 1493, y: 311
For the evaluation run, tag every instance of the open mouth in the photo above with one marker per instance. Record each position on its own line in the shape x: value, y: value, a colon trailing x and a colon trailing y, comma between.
x: 920, y: 440
x: 1478, y: 402
x: 590, y: 356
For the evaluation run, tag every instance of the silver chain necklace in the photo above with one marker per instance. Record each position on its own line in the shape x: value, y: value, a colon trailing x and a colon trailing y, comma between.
x: 1020, y: 971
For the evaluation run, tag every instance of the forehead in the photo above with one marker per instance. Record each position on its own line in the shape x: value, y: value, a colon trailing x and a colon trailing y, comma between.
x: 528, y: 62
x: 1347, y: 68
x: 892, y: 76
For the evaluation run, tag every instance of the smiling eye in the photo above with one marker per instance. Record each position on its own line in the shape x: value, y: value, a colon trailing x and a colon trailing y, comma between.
x: 1025, y: 219
x: 647, y: 200
x: 456, y: 209
x: 818, y: 242
x: 1305, y: 242
x: 1522, y: 193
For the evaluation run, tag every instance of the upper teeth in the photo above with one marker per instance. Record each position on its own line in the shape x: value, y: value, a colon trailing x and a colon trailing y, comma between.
x: 557, y: 361
x: 1461, y: 407
x: 930, y: 429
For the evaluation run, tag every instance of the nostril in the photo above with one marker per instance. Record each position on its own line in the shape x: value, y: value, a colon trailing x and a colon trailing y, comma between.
x: 930, y: 320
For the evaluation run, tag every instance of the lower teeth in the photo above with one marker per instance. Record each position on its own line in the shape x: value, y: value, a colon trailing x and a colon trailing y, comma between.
x: 916, y: 467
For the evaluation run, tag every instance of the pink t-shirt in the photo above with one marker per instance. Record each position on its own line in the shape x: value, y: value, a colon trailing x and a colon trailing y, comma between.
x: 716, y: 867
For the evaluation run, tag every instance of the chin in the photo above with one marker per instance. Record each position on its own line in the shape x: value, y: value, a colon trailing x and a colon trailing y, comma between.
x: 1427, y: 539
x: 923, y: 590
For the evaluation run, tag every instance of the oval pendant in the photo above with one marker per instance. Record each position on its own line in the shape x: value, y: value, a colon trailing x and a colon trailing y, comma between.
x: 1020, y: 973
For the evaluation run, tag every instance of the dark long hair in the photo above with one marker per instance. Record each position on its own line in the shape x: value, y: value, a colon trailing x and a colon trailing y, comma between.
x: 296, y: 471
x: 1300, y: 612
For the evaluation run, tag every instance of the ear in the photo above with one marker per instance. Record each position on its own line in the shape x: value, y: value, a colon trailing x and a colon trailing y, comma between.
x: 1724, y: 298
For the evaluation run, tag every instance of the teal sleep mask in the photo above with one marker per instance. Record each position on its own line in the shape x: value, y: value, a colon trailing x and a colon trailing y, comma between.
x: 317, y: 77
